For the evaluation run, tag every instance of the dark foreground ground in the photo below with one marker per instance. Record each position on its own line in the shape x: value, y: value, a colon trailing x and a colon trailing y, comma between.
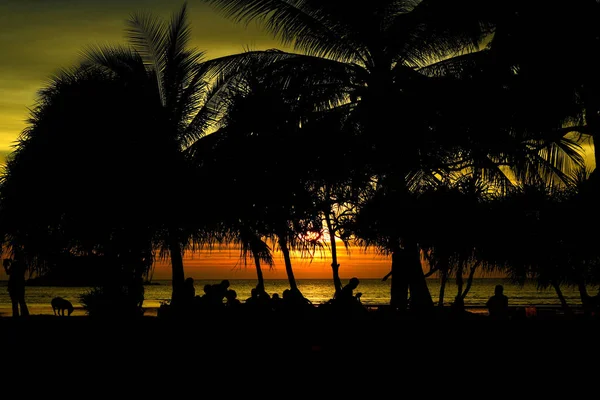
x: 298, y: 336
x: 163, y: 357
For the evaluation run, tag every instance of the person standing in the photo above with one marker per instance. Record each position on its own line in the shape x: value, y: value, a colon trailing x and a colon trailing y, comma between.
x: 15, y: 269
x: 498, y: 304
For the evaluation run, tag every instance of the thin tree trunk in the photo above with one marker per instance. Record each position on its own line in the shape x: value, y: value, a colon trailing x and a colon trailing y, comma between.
x: 443, y: 280
x: 585, y: 297
x: 443, y: 268
x: 459, y: 279
x: 178, y: 275
x: 470, y: 278
x: 420, y: 297
x: 288, y: 263
x: 261, y: 281
x: 561, y: 297
x: 399, y: 286
x: 337, y: 282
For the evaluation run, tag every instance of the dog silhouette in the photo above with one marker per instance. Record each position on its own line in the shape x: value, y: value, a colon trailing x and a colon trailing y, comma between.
x: 59, y: 305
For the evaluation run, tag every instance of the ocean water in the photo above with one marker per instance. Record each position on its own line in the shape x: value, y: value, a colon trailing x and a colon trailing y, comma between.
x: 374, y: 292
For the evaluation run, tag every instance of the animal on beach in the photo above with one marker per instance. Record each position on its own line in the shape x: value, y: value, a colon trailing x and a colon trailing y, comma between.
x: 59, y: 305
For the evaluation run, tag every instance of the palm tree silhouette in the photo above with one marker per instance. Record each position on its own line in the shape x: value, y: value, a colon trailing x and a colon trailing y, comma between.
x: 168, y: 89
x: 59, y: 197
x: 256, y: 163
x: 539, y: 240
x: 374, y: 53
x: 555, y: 86
x: 178, y: 80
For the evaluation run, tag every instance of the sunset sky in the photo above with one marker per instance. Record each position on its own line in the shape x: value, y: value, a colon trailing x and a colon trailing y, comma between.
x: 226, y: 264
x: 39, y: 37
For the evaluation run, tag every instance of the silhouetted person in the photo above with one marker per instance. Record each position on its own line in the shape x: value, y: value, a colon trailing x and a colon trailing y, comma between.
x: 347, y: 303
x: 276, y: 302
x: 498, y: 304
x: 458, y: 307
x: 219, y: 290
x: 214, y: 295
x: 346, y: 295
x: 15, y: 269
x: 232, y: 301
x: 189, y: 291
x: 252, y: 301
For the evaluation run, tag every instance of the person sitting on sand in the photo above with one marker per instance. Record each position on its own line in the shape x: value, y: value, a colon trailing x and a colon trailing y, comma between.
x: 498, y: 304
x: 218, y: 292
x: 347, y: 302
x: 189, y: 291
x: 346, y: 295
x: 232, y: 303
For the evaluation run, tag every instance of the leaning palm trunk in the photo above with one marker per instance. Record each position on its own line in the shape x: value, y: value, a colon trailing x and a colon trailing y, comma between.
x: 585, y: 297
x: 561, y: 297
x: 259, y: 275
x: 335, y: 267
x: 443, y: 281
x: 288, y: 262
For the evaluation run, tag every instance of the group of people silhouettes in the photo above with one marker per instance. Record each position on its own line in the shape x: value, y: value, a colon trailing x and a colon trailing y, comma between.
x: 220, y: 299
x: 221, y: 296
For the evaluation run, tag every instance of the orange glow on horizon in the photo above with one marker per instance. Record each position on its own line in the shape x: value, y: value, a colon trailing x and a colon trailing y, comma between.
x: 225, y: 263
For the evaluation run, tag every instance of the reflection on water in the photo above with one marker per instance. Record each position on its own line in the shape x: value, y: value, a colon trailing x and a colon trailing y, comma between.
x: 318, y: 291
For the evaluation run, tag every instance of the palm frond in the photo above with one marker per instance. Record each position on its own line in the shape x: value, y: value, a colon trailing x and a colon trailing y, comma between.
x: 178, y: 61
x: 435, y: 30
x: 119, y: 60
x: 306, y: 25
x: 555, y: 163
x: 147, y: 34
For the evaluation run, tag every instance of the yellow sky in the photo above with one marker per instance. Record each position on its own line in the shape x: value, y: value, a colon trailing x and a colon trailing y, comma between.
x: 39, y: 37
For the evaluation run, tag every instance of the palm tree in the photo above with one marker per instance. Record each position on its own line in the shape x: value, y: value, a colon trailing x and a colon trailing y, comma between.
x: 177, y: 80
x: 374, y: 51
x: 61, y: 202
x: 562, y: 85
x: 537, y: 238
x: 256, y: 162
x: 451, y: 240
x: 169, y: 91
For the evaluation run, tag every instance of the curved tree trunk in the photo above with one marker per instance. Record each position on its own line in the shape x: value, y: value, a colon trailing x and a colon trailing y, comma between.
x: 443, y: 280
x: 561, y: 297
x: 470, y: 278
x: 288, y: 262
x: 261, y: 281
x: 335, y: 267
x: 585, y: 297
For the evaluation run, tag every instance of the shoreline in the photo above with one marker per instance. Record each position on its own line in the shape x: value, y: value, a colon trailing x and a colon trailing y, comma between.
x: 541, y: 310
